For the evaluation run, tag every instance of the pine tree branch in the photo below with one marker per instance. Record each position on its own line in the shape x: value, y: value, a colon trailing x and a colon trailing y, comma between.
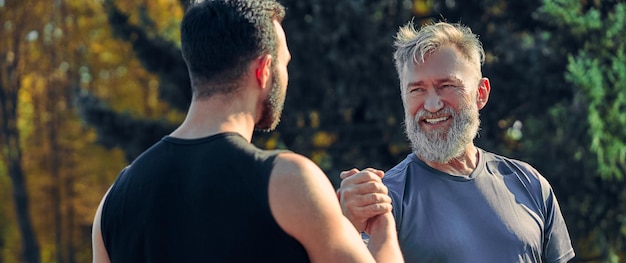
x: 117, y: 129
x: 157, y: 55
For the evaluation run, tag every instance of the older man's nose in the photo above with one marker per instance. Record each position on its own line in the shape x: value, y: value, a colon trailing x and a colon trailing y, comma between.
x: 433, y: 102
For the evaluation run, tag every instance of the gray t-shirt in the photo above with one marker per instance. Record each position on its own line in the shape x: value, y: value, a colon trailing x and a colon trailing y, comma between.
x: 504, y: 211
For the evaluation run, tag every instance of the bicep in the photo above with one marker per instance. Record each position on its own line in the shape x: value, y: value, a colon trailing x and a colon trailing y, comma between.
x: 304, y: 204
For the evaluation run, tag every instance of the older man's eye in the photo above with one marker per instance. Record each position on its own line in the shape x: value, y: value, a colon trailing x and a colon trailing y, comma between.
x: 416, y: 90
x: 448, y: 88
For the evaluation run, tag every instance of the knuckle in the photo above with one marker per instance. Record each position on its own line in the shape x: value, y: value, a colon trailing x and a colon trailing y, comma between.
x: 383, y: 207
x: 382, y: 198
x: 375, y: 187
x: 372, y: 176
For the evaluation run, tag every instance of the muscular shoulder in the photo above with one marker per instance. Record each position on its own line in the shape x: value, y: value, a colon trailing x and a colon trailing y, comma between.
x: 290, y: 164
x: 296, y: 180
x: 304, y: 203
x: 298, y: 184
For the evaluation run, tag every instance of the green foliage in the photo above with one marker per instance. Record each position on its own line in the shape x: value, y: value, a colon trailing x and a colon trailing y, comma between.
x: 598, y: 70
x: 603, y: 86
x: 591, y: 39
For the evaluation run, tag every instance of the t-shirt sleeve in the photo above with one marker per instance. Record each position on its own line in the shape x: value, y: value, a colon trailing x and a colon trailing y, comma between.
x: 557, y: 246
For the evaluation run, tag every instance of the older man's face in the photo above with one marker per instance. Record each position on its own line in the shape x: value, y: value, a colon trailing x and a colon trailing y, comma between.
x: 441, y: 107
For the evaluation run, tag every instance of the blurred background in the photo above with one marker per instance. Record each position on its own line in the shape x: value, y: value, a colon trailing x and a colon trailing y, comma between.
x: 87, y: 85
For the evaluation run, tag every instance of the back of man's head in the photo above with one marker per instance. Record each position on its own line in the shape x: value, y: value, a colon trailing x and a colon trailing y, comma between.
x: 220, y: 38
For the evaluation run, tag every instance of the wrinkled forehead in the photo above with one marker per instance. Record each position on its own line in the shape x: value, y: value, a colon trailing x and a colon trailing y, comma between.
x: 446, y: 58
x: 441, y: 65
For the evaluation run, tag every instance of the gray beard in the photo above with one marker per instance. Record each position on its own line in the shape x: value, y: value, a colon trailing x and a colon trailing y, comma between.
x: 441, y: 146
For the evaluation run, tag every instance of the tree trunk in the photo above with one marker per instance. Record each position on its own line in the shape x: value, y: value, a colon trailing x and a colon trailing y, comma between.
x: 70, y: 249
x: 51, y: 126
x: 12, y: 154
x: 57, y: 186
x: 30, y: 247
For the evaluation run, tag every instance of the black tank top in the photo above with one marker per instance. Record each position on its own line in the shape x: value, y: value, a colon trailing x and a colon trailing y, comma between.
x: 201, y: 200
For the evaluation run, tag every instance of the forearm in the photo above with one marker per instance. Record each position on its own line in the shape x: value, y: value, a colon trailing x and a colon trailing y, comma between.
x: 383, y: 242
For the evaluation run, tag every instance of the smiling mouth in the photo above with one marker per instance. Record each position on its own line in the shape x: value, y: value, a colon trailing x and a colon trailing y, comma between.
x: 435, y: 120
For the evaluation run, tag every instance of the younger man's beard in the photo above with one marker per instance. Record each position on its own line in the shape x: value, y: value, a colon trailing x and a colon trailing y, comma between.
x: 441, y: 146
x: 273, y: 105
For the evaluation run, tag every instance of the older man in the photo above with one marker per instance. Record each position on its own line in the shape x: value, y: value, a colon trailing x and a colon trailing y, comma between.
x: 452, y: 201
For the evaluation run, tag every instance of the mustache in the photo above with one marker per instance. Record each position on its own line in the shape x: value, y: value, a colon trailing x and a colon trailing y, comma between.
x: 424, y: 114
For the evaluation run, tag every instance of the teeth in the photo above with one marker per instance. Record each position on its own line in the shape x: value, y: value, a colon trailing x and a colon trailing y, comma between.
x: 435, y: 120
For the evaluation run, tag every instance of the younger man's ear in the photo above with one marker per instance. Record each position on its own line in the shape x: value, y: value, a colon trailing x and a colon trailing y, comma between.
x: 262, y: 70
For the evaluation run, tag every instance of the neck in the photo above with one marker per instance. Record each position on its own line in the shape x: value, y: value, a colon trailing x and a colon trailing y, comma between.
x: 217, y: 114
x: 462, y: 165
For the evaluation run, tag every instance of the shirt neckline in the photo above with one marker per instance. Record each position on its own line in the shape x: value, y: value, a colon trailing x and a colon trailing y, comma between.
x: 472, y: 176
x: 212, y: 137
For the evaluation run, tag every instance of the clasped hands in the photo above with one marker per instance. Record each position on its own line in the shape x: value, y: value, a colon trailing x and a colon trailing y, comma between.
x: 363, y: 197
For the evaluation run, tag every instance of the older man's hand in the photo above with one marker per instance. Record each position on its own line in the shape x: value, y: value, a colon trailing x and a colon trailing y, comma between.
x: 362, y: 196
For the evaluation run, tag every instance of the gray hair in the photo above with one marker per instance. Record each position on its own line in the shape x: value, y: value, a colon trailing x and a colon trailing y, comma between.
x: 413, y: 45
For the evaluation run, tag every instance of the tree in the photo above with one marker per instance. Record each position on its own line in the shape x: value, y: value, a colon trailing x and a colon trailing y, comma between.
x: 563, y: 62
x: 590, y: 123
x: 157, y: 55
x: 51, y: 52
x: 16, y: 26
